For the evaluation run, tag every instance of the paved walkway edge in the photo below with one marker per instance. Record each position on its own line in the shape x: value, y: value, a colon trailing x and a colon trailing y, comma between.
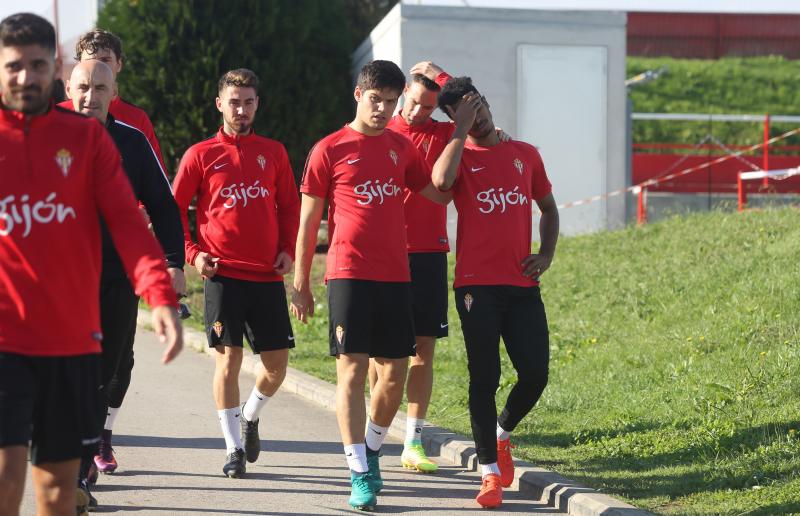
x: 536, y: 483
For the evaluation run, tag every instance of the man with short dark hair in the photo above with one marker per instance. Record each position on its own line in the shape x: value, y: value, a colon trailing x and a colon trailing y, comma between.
x: 60, y: 173
x: 247, y: 216
x: 361, y: 171
x: 494, y: 185
x: 91, y: 87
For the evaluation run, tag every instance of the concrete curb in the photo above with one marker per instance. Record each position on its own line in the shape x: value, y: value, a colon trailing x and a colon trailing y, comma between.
x: 534, y: 482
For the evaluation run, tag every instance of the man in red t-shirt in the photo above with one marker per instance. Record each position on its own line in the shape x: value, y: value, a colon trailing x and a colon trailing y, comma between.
x: 60, y: 173
x: 247, y: 216
x: 361, y: 170
x: 494, y: 185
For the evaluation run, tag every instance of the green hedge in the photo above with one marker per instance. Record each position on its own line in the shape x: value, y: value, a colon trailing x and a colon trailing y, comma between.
x: 753, y: 85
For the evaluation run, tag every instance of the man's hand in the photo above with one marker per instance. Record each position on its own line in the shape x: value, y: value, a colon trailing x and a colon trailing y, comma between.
x: 535, y: 265
x: 426, y: 68
x: 168, y: 328
x: 283, y: 263
x: 206, y: 265
x: 504, y: 136
x: 464, y: 115
x: 145, y: 216
x: 302, y: 303
x: 178, y: 281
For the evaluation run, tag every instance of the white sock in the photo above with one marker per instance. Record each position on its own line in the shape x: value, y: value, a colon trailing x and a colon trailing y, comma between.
x: 414, y: 430
x: 502, y: 435
x: 375, y: 436
x: 356, y: 455
x: 111, y: 416
x: 490, y: 469
x: 254, y: 404
x: 231, y: 428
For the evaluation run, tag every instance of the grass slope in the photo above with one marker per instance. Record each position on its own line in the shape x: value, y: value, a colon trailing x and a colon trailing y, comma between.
x: 674, y: 364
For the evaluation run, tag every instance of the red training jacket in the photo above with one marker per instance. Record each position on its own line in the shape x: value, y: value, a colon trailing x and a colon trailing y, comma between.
x: 248, y: 208
x: 58, y: 173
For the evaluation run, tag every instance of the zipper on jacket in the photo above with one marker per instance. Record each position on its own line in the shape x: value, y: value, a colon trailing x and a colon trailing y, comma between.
x: 25, y: 133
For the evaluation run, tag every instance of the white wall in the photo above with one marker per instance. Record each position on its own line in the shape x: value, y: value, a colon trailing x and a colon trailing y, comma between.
x: 384, y: 42
x: 483, y: 44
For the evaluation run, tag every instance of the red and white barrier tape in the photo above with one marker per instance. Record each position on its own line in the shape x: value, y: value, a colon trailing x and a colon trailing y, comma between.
x: 652, y: 182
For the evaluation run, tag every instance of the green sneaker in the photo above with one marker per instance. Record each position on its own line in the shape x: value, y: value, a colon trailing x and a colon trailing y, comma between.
x: 362, y: 497
x: 414, y: 457
x: 374, y: 473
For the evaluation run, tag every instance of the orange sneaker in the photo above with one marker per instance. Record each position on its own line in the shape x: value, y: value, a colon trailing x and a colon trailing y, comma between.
x: 491, y: 495
x: 505, y: 462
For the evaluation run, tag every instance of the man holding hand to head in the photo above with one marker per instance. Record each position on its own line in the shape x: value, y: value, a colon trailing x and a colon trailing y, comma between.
x: 494, y: 185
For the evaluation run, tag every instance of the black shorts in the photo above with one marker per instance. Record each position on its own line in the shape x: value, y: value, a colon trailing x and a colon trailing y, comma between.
x: 257, y: 310
x: 429, y: 293
x: 372, y: 317
x: 51, y: 403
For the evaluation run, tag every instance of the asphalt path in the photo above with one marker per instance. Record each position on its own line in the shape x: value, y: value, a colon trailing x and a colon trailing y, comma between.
x: 170, y: 451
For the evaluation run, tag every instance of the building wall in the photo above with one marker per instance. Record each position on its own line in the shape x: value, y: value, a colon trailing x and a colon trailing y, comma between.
x: 384, y: 42
x: 484, y: 44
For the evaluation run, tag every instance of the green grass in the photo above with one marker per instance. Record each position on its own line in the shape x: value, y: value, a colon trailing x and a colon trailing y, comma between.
x: 674, y: 364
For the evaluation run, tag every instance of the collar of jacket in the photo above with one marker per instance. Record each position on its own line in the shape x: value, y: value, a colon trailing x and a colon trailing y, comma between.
x: 16, y: 119
x: 237, y: 140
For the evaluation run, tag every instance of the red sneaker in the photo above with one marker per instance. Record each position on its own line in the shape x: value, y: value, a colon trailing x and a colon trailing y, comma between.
x: 104, y: 460
x: 491, y: 495
x: 505, y: 462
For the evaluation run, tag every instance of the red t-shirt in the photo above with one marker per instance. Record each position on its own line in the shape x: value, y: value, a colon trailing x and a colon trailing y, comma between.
x: 363, y: 178
x: 59, y: 173
x: 426, y: 221
x: 248, y: 209
x: 494, y: 194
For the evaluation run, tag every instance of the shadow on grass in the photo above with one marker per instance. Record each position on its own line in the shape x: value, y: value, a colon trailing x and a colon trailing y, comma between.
x: 630, y: 475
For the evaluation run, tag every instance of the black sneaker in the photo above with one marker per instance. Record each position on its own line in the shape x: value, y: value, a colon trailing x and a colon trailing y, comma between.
x: 252, y: 443
x: 85, y: 500
x: 235, y: 467
x: 82, y: 501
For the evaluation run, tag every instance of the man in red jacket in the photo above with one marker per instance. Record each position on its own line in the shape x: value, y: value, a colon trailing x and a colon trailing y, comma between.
x: 247, y: 217
x: 60, y: 172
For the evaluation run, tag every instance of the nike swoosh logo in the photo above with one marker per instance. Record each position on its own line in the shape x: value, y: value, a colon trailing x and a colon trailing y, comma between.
x: 443, y: 325
x: 291, y: 337
x: 477, y: 169
x: 351, y: 161
x: 259, y: 397
x: 217, y: 167
x: 379, y: 433
x: 349, y: 454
